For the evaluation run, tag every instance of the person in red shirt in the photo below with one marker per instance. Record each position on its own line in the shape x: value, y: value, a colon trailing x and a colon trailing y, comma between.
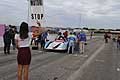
x: 65, y: 34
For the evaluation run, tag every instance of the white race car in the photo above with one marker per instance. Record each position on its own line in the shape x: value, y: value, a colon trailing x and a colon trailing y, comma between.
x: 56, y: 45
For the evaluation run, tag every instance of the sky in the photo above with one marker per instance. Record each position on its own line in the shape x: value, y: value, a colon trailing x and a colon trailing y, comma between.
x: 66, y: 13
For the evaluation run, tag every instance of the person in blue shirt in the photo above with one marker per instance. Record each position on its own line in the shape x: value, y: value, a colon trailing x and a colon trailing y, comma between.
x: 82, y: 40
x: 44, y: 36
x: 71, y: 42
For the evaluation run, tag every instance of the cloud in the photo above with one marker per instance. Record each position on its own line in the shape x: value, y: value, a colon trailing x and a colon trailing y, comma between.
x: 13, y: 11
x: 103, y: 12
x: 65, y: 12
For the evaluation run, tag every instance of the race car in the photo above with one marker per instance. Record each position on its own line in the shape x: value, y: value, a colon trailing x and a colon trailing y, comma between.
x: 56, y: 45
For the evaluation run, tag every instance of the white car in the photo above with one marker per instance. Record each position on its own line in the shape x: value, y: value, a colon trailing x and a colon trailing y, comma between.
x: 56, y: 45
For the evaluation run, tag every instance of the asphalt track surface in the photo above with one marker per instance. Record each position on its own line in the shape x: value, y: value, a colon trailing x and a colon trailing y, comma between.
x: 99, y: 62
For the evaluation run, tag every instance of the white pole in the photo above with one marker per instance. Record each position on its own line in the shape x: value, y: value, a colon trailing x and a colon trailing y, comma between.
x: 43, y: 19
x: 28, y: 10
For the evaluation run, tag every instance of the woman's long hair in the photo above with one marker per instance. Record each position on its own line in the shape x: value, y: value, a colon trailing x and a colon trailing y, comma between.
x: 23, y: 30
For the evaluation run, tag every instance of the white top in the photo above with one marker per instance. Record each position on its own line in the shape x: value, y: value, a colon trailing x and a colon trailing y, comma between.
x: 23, y: 42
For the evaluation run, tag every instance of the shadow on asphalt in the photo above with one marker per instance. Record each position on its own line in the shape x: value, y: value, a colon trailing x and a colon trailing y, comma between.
x: 56, y: 51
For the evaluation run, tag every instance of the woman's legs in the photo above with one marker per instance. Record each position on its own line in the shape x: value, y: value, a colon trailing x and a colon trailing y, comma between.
x: 20, y: 72
x: 26, y: 70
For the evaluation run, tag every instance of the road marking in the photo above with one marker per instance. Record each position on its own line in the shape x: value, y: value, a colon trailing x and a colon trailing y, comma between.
x: 40, y: 51
x: 98, y: 60
x: 79, y: 72
x: 75, y: 55
x: 118, y: 69
x: 85, y: 56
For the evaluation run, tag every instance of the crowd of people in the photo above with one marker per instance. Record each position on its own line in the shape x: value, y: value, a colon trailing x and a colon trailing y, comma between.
x: 8, y: 38
x: 76, y: 41
x: 116, y: 38
x: 40, y: 39
x: 21, y: 41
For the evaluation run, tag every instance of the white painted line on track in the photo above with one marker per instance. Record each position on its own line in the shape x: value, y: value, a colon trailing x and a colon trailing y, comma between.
x: 79, y: 72
x: 98, y: 60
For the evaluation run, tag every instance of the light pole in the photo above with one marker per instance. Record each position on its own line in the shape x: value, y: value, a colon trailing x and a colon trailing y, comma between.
x: 80, y: 20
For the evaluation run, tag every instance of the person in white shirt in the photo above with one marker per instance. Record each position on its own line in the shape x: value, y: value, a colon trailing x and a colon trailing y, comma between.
x: 23, y: 40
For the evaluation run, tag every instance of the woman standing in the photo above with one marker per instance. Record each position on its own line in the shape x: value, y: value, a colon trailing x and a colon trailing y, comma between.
x: 24, y: 54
